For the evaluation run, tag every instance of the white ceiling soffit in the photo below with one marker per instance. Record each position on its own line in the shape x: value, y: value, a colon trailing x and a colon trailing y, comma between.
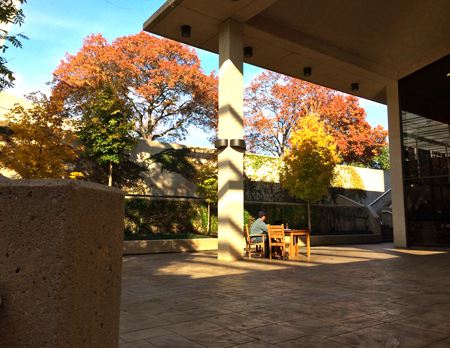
x: 369, y: 42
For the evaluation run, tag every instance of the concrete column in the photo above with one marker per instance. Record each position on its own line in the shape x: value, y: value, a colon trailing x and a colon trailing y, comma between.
x: 395, y: 149
x: 60, y: 263
x: 231, y: 196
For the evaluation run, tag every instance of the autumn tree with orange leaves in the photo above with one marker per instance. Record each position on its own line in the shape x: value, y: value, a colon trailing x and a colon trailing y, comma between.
x: 274, y: 104
x: 160, y: 84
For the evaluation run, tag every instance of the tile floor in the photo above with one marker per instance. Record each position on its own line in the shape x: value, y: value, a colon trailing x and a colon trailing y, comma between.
x: 344, y: 296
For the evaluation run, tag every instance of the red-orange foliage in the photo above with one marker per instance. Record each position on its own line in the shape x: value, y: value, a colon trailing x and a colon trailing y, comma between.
x: 160, y: 82
x: 274, y: 104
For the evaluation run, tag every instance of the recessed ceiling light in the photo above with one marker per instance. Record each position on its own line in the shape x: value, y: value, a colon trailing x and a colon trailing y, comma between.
x: 186, y: 31
x: 248, y: 52
x: 448, y: 74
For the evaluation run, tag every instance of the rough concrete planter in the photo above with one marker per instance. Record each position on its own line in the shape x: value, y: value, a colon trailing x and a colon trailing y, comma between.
x: 60, y: 263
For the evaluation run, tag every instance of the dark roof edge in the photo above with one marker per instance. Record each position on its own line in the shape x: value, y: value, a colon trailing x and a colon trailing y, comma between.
x: 159, y: 15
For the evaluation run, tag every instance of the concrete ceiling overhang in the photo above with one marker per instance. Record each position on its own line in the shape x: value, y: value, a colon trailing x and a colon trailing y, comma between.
x: 371, y: 42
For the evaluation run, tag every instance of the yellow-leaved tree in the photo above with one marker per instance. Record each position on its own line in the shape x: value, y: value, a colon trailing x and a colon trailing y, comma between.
x: 309, y: 161
x: 39, y: 143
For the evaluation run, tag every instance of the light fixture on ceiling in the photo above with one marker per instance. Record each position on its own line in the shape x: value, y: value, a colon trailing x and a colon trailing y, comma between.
x: 307, y: 71
x: 186, y: 31
x: 355, y: 87
x: 248, y: 52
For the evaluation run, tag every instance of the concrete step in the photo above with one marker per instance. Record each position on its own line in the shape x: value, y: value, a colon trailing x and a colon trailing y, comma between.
x: 387, y: 234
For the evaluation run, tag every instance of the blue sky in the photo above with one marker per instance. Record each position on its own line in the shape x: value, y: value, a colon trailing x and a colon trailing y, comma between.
x: 55, y: 27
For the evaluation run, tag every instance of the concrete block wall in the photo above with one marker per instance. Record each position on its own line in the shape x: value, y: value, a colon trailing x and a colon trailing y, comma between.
x: 165, y: 183
x: 158, y: 183
x: 60, y: 263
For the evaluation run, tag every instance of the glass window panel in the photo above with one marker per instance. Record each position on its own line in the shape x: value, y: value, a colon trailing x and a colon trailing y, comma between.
x: 425, y: 103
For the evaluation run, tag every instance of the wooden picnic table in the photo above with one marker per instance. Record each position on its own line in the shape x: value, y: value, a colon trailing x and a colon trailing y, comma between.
x: 293, y: 245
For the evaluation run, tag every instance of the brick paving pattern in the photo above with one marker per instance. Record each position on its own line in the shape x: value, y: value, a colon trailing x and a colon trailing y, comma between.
x: 344, y: 296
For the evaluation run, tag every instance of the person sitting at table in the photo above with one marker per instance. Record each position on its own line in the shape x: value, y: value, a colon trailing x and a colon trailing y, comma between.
x: 260, y: 227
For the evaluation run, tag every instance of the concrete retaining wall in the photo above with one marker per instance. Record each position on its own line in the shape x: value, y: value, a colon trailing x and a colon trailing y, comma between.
x: 169, y: 246
x: 181, y: 245
x: 342, y: 240
x: 158, y: 183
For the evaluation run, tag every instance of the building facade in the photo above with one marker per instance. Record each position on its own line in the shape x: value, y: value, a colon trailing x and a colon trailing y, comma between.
x: 391, y: 52
x: 425, y: 118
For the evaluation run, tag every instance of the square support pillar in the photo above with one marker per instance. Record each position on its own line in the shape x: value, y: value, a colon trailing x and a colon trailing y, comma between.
x: 61, y: 247
x: 231, y: 168
x: 395, y: 150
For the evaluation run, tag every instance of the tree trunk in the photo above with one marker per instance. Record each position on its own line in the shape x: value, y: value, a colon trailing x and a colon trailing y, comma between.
x: 208, y: 228
x: 309, y: 216
x: 110, y: 173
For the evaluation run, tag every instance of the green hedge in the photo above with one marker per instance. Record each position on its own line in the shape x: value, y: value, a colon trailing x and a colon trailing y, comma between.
x: 295, y: 215
x: 148, y: 217
x: 186, y: 219
x: 325, y: 220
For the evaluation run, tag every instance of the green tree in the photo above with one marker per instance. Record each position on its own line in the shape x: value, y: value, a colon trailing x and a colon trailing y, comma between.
x: 205, y: 175
x: 207, y: 185
x: 176, y: 161
x: 382, y: 161
x: 105, y: 130
x: 9, y: 14
x: 309, y: 161
x: 38, y: 144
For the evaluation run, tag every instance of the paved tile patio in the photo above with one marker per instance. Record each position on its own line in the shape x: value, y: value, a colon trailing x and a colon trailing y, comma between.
x: 344, y: 296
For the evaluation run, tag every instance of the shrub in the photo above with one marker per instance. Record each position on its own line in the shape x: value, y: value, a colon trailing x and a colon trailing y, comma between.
x: 144, y: 216
x: 174, y: 219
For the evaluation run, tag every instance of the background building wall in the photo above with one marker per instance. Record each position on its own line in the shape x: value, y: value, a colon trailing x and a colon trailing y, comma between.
x: 7, y: 101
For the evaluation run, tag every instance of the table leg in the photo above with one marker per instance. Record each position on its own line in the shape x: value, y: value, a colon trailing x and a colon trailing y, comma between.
x: 291, y: 245
x: 308, y: 246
